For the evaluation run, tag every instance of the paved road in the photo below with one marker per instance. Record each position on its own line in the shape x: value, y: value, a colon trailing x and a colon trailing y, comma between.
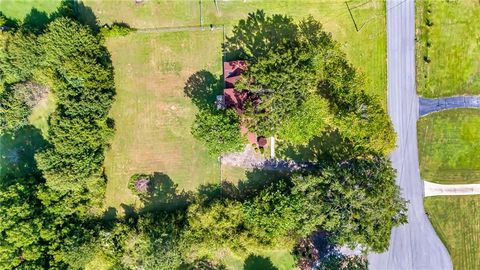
x: 414, y: 245
x: 428, y: 105
x: 434, y: 189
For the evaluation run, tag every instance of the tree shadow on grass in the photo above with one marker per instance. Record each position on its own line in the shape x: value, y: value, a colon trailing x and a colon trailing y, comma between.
x: 17, y: 152
x: 328, y: 146
x: 163, y: 194
x: 86, y: 16
x: 202, y: 87
x: 256, y: 181
x: 256, y: 262
x: 35, y: 21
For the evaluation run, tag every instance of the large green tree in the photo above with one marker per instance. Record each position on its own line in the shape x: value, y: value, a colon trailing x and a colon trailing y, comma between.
x: 21, y: 225
x: 295, y: 69
x: 219, y: 130
x: 355, y: 200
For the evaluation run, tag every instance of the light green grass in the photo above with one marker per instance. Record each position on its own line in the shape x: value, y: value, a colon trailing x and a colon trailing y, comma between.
x: 457, y: 221
x: 278, y: 259
x: 18, y: 9
x: 40, y: 113
x: 454, y: 49
x: 366, y: 49
x: 153, y: 116
x: 448, y: 145
x: 149, y: 14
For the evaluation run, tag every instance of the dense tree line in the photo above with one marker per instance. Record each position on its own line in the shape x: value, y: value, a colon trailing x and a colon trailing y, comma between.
x: 54, y: 206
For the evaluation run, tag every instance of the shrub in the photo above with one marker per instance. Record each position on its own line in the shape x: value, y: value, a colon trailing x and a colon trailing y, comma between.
x: 116, y: 30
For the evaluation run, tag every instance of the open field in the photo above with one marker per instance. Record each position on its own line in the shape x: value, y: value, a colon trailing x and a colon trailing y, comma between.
x: 152, y: 115
x: 457, y: 221
x: 17, y: 9
x: 448, y: 48
x: 366, y: 48
x: 448, y: 145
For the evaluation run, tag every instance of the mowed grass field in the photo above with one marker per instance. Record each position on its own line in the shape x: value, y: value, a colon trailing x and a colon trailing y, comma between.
x: 153, y: 132
x: 18, y: 9
x: 448, y: 35
x: 366, y: 48
x: 456, y: 220
x: 448, y: 145
x: 153, y: 116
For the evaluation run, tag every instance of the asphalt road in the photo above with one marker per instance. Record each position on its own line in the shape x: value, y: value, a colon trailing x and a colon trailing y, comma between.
x: 414, y: 245
x: 429, y: 105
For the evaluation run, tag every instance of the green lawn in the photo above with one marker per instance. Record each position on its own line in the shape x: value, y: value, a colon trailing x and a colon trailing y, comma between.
x: 18, y: 9
x: 262, y: 260
x: 366, y: 48
x: 451, y: 44
x: 153, y: 116
x: 448, y: 145
x: 457, y: 221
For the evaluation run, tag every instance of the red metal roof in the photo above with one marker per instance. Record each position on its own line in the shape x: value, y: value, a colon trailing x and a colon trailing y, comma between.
x: 232, y: 71
x: 236, y: 99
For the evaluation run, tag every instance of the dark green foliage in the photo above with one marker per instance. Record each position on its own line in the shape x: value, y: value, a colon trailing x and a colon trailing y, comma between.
x: 71, y: 60
x: 281, y: 65
x: 16, y: 103
x: 19, y: 57
x: 14, y: 112
x: 78, y: 69
x: 293, y: 65
x: 343, y: 262
x: 356, y: 200
x: 21, y: 224
x: 274, y: 214
x: 219, y: 130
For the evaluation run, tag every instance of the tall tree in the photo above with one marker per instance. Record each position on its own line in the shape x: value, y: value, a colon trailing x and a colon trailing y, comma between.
x: 356, y: 200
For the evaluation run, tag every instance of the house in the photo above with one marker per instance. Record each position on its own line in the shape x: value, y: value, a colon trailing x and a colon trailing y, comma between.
x: 235, y: 99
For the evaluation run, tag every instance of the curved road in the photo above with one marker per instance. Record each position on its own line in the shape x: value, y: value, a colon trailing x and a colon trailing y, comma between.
x: 414, y: 245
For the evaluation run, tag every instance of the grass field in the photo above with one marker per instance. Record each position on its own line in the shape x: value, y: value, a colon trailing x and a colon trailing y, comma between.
x: 366, y: 48
x: 457, y: 221
x: 18, y: 9
x: 448, y: 145
x: 152, y: 115
x: 451, y: 44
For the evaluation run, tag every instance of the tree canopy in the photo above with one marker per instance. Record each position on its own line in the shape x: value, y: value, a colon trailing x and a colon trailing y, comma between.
x: 297, y: 69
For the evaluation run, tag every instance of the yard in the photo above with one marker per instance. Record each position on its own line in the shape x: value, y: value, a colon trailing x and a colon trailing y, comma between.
x: 18, y: 9
x: 456, y: 220
x: 153, y: 116
x: 448, y: 145
x: 151, y: 112
x: 448, y: 48
x: 365, y: 48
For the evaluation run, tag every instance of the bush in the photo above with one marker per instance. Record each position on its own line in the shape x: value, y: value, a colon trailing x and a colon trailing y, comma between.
x: 116, y: 30
x: 139, y: 184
